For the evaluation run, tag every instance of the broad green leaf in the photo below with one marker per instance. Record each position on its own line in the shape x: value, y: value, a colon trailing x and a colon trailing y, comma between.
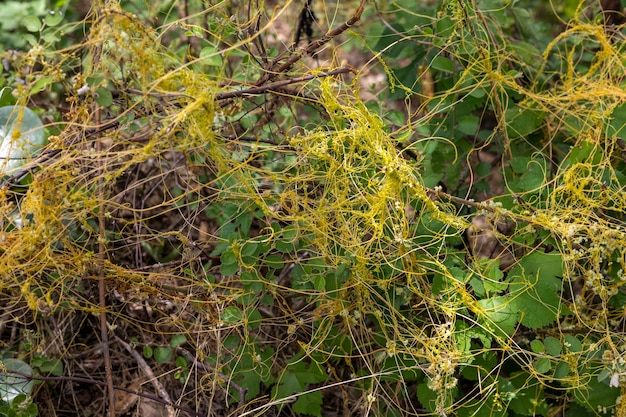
x: 232, y: 314
x: 535, y: 287
x: 427, y: 397
x: 492, y: 276
x: 482, y: 365
x: 12, y: 385
x: 229, y: 269
x: 445, y: 27
x: 177, y: 340
x: 527, y: 53
x: 617, y: 121
x: 487, y: 406
x: 499, y: 315
x: 442, y: 64
x: 524, y: 23
x: 21, y: 137
x: 254, y: 318
x: 573, y: 344
x: 593, y: 393
x: 181, y: 362
x: 468, y: 125
x: 389, y: 43
x: 228, y: 257
x: 553, y: 345
x: 585, y: 152
x: 211, y: 56
x: 103, y: 97
x: 521, y: 122
x: 52, y: 366
x: 41, y: 84
x: 542, y: 365
x: 529, y: 399
x: 32, y: 23
x: 530, y: 173
x: 295, y: 379
x: 162, y: 354
x: 249, y: 248
x: 53, y: 18
x: 253, y: 367
x: 561, y: 370
x: 274, y: 261
x: 6, y: 97
x: 537, y: 346
x: 310, y: 404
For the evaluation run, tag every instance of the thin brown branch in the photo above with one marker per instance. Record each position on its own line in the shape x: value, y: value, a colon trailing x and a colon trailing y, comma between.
x: 95, y: 53
x: 280, y: 84
x: 311, y: 48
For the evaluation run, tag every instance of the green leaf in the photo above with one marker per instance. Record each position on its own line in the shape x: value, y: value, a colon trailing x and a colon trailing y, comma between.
x: 389, y: 43
x: 232, y: 314
x: 593, y: 393
x: 617, y: 121
x: 177, y: 340
x: 444, y: 27
x: 561, y: 370
x: 229, y: 269
x: 181, y: 362
x: 319, y: 282
x: 94, y: 80
x: 252, y: 368
x: 529, y: 397
x: 53, y: 18
x: 294, y: 380
x: 492, y: 276
x: 468, y: 125
x: 427, y: 397
x: 523, y: 20
x: 249, y: 248
x: 488, y: 406
x: 553, y: 345
x: 103, y: 97
x: 310, y: 403
x: 521, y: 122
x: 537, y: 347
x: 41, y: 84
x: 499, y: 315
x: 482, y: 366
x: 254, y: 318
x: 12, y: 385
x: 31, y: 23
x: 542, y: 365
x: 573, y: 344
x: 229, y: 262
x: 52, y: 366
x: 442, y: 64
x: 274, y: 261
x: 21, y: 136
x: 211, y: 56
x: 530, y: 173
x: 162, y: 354
x: 535, y: 287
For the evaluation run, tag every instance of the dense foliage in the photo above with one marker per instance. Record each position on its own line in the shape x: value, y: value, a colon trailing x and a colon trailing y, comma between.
x: 313, y: 208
